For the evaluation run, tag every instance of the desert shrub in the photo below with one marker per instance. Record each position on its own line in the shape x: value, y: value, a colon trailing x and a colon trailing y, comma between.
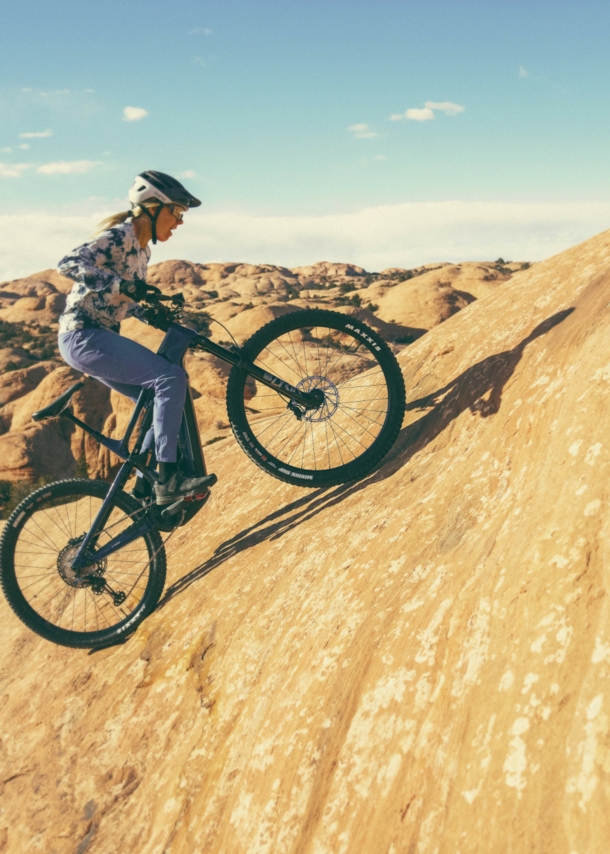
x: 199, y: 321
x: 13, y: 492
x: 39, y: 341
x: 372, y: 306
x: 525, y: 266
x: 80, y: 469
x: 346, y: 287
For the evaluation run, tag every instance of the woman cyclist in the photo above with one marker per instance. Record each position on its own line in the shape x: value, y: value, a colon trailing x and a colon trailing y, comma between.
x: 109, y: 274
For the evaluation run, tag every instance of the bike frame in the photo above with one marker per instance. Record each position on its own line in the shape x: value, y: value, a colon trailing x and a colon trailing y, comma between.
x: 177, y: 340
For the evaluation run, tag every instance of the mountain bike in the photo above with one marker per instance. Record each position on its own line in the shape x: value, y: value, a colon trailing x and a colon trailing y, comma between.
x: 315, y: 398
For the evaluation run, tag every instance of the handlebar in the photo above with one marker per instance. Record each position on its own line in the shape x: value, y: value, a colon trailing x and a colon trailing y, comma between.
x: 160, y: 316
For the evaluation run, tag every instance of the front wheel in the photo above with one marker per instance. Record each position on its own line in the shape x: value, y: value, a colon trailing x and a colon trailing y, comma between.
x: 41, y: 539
x: 355, y: 425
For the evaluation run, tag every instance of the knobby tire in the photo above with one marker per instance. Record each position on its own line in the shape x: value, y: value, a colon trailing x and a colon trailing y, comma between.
x: 364, y: 399
x: 37, y: 542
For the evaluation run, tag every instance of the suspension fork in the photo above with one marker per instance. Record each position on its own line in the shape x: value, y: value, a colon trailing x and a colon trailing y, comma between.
x: 307, y: 399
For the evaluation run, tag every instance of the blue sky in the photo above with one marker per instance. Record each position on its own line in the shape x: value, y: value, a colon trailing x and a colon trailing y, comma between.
x: 281, y: 115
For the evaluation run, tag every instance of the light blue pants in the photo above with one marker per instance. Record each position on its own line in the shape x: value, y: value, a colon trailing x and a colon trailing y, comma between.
x: 129, y: 367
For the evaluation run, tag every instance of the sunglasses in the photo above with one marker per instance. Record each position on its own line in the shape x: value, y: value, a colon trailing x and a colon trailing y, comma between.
x: 177, y: 211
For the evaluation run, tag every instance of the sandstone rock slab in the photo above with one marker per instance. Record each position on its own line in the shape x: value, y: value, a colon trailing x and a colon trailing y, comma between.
x: 416, y: 662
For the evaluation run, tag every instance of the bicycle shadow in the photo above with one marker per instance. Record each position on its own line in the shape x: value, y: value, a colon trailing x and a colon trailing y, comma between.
x: 270, y: 528
x: 478, y: 389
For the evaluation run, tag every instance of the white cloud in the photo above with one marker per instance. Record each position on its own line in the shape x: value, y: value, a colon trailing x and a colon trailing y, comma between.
x: 34, y: 134
x: 24, y: 146
x: 362, y: 131
x: 201, y: 31
x: 190, y: 173
x: 404, y: 235
x: 67, y: 167
x: 6, y: 150
x: 427, y: 112
x: 13, y: 170
x: 199, y: 60
x: 417, y: 115
x: 447, y: 107
x: 134, y: 114
x: 523, y: 72
x: 26, y: 89
x: 380, y: 157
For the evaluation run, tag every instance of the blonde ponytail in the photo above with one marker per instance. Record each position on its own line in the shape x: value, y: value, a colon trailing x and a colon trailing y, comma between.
x: 111, y: 221
x: 118, y: 218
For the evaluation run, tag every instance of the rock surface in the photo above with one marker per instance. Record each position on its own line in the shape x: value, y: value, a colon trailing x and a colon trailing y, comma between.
x: 419, y: 662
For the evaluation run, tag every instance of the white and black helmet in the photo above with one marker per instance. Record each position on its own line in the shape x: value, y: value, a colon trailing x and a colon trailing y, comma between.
x: 152, y: 185
x: 157, y: 185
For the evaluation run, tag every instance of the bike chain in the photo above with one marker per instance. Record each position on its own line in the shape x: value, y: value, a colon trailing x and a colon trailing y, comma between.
x: 156, y: 551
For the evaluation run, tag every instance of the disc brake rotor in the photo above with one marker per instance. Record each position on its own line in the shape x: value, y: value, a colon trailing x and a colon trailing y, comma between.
x: 66, y: 558
x: 331, y: 398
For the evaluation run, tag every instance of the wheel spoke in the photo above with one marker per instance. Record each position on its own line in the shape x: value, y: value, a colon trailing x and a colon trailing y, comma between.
x: 361, y: 410
x: 41, y: 558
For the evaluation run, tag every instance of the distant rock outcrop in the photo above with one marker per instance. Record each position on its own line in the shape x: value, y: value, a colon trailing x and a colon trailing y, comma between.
x: 237, y: 299
x: 419, y: 662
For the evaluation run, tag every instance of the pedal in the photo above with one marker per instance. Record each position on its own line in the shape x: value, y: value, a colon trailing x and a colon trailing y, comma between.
x: 171, y: 509
x: 200, y: 496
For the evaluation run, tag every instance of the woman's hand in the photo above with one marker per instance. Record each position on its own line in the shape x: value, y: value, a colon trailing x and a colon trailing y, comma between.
x: 138, y: 289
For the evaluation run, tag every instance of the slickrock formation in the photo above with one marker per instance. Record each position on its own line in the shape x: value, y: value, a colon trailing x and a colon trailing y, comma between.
x: 419, y: 662
x: 242, y: 297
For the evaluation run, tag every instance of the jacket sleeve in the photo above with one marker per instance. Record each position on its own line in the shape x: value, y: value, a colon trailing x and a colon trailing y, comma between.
x: 85, y: 265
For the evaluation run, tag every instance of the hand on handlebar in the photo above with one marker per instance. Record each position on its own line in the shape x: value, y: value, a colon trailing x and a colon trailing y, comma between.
x: 138, y: 289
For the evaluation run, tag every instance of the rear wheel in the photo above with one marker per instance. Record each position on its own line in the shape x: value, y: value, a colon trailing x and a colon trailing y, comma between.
x: 39, y: 543
x: 362, y: 409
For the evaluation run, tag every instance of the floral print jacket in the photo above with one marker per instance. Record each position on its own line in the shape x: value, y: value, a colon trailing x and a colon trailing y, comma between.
x: 98, y: 267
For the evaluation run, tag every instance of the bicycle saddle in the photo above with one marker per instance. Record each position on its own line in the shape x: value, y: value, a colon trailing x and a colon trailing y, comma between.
x: 59, y: 404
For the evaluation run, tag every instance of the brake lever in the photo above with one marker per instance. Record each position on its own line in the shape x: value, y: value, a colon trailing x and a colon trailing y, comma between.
x: 177, y: 299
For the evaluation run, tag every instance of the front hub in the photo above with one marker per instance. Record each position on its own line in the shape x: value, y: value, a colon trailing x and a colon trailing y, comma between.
x: 328, y: 394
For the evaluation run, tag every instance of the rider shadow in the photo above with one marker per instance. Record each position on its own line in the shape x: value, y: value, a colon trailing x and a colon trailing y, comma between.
x: 272, y: 527
x: 478, y: 389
